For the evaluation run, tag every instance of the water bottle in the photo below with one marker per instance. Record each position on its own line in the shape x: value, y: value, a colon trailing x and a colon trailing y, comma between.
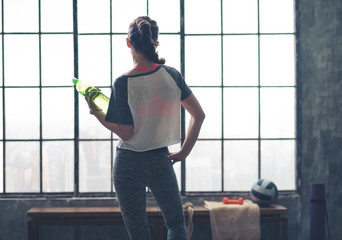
x: 84, y: 88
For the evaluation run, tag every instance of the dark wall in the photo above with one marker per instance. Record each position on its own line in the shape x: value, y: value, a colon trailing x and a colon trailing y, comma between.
x: 13, y: 220
x: 320, y: 118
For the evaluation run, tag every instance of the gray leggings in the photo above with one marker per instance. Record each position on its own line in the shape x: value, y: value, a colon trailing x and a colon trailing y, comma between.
x: 133, y: 172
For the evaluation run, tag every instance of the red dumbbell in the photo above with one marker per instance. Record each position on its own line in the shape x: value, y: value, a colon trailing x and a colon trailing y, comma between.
x: 226, y: 200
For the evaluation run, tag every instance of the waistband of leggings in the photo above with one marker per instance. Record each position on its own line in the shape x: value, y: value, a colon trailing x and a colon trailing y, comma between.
x: 157, y: 150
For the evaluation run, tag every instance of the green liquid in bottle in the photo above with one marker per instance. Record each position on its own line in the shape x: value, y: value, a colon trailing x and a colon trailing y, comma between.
x: 84, y: 88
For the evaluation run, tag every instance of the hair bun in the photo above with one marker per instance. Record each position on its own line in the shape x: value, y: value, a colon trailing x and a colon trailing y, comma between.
x: 143, y: 34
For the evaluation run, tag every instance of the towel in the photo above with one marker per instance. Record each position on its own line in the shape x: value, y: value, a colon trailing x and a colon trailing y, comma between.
x: 234, y: 221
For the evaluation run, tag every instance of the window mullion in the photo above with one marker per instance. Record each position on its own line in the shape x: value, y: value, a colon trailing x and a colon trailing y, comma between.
x: 40, y: 101
x: 3, y: 103
x: 182, y: 59
x: 259, y: 105
x: 76, y: 126
x: 222, y: 103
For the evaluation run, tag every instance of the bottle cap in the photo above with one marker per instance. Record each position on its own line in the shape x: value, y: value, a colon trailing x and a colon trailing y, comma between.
x: 74, y: 80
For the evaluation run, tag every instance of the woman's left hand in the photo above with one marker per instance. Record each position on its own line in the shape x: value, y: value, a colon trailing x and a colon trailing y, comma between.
x: 176, y: 157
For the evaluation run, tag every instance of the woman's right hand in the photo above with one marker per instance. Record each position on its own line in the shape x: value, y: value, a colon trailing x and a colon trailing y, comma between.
x: 90, y: 101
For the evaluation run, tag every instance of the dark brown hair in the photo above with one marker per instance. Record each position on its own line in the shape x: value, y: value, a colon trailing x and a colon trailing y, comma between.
x: 143, y: 34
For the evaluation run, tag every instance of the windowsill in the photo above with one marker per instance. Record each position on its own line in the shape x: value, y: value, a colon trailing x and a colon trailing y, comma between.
x: 195, y: 198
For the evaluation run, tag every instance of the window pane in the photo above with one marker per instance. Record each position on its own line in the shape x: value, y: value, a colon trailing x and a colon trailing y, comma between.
x: 58, y: 166
x: 210, y: 100
x: 277, y: 60
x: 57, y: 60
x: 278, y: 163
x: 169, y: 49
x: 114, y: 146
x: 22, y: 167
x: 1, y: 15
x: 58, y: 112
x: 203, y: 61
x: 124, y: 12
x: 240, y: 60
x: 22, y: 113
x: 241, y: 113
x: 202, y: 16
x: 240, y: 16
x: 277, y: 112
x: 1, y: 57
x: 21, y: 15
x: 276, y: 16
x: 122, y: 57
x: 1, y: 169
x: 21, y: 52
x: 95, y: 167
x: 203, y: 167
x: 94, y: 59
x: 166, y: 13
x: 57, y: 16
x: 177, y: 167
x: 89, y: 126
x: 93, y: 16
x: 1, y: 117
x: 240, y: 165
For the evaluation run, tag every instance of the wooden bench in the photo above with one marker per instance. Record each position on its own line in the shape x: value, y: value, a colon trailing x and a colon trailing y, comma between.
x: 37, y: 216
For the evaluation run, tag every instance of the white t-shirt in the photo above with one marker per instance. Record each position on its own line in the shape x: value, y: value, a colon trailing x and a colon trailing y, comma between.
x: 151, y: 103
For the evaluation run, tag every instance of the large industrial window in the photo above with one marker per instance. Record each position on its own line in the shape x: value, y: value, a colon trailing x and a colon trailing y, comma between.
x: 238, y: 57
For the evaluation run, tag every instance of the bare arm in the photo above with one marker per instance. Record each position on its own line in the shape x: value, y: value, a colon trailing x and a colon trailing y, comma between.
x: 123, y: 131
x: 197, y: 117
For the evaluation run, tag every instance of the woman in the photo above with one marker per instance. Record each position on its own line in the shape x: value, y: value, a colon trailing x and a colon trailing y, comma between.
x: 144, y: 111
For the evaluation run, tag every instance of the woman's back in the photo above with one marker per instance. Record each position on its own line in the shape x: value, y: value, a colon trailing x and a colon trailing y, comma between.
x: 154, y: 101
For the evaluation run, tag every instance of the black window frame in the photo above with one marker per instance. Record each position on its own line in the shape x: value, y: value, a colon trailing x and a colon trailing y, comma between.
x: 182, y: 33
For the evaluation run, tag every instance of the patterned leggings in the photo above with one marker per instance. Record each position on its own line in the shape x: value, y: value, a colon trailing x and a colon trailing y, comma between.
x: 133, y: 172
